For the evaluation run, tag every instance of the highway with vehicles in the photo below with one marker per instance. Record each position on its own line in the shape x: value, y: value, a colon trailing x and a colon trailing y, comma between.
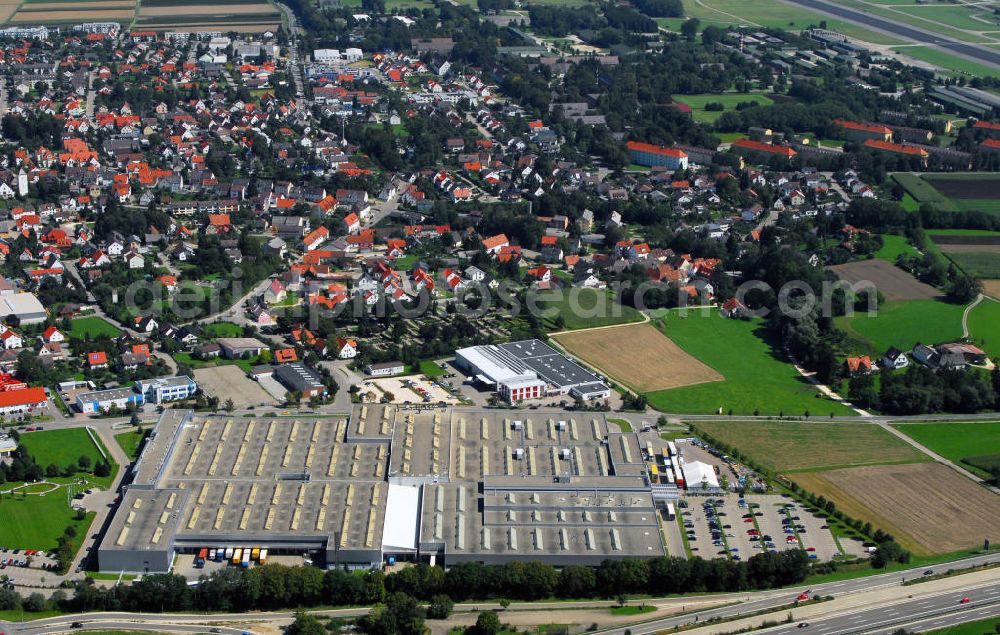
x: 762, y: 602
x: 919, y: 614
x: 888, y: 604
x: 970, y: 51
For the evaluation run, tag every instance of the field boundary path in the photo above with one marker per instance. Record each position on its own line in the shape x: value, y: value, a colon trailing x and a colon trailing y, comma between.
x: 823, y: 388
x: 644, y: 320
x: 934, y: 455
x: 965, y: 315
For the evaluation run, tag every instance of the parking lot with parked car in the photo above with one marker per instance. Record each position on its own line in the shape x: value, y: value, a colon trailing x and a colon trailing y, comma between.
x: 740, y: 527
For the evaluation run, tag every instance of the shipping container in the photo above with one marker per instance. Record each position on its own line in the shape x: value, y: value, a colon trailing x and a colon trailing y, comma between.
x: 229, y: 553
x: 237, y: 556
x: 245, y: 562
x: 255, y: 554
x: 263, y: 556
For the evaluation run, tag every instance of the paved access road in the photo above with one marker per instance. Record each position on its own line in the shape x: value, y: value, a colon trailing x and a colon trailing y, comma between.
x: 765, y: 601
x: 916, y: 34
x: 946, y: 608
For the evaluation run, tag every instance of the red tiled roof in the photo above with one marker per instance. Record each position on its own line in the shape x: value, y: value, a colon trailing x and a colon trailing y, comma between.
x: 638, y: 146
x: 875, y: 144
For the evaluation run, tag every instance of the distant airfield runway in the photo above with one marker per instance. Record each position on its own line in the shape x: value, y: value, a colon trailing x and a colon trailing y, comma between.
x: 915, y: 34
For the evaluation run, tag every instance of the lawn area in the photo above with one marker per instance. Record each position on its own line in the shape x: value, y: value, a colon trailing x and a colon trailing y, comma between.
x: 584, y: 308
x: 757, y: 377
x: 623, y: 424
x: 61, y: 447
x: 804, y: 446
x: 130, y: 442
x: 191, y: 362
x: 958, y: 442
x: 956, y: 15
x: 223, y: 329
x: 984, y: 326
x: 36, y: 522
x: 947, y: 61
x: 93, y: 327
x: 979, y: 627
x: 893, y: 246
x: 632, y: 609
x: 769, y: 13
x: 429, y: 368
x: 728, y: 100
x: 903, y: 324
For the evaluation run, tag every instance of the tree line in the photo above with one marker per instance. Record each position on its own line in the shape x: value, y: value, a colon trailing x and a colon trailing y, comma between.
x: 275, y: 586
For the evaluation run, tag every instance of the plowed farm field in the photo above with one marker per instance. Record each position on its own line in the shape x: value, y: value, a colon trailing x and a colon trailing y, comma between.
x: 890, y: 280
x: 928, y: 507
x: 638, y: 356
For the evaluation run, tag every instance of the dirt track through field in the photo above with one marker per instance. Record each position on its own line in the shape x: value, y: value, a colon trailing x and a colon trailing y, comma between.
x: 639, y: 356
x: 928, y: 507
x: 890, y: 280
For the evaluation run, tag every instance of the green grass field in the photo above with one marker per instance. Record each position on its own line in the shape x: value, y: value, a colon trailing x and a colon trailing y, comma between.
x: 728, y: 100
x: 902, y: 324
x: 223, y: 329
x: 584, y: 308
x: 769, y: 13
x: 922, y: 191
x: 982, y: 265
x: 893, y: 246
x: 188, y: 360
x: 984, y: 326
x: 431, y: 369
x: 980, y: 627
x: 789, y: 446
x: 36, y: 522
x: 957, y: 441
x: 758, y: 378
x: 954, y: 15
x: 61, y: 447
x: 130, y: 442
x: 947, y: 61
x: 93, y: 327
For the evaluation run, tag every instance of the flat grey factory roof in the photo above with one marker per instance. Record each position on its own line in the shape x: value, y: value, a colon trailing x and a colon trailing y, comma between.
x: 551, y: 365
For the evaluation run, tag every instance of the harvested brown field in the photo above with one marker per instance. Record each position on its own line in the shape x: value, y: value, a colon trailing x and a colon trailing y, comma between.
x: 239, y: 27
x: 76, y: 6
x: 992, y: 288
x: 976, y: 187
x: 928, y: 507
x: 85, y: 15
x: 789, y: 446
x: 970, y: 248
x: 890, y: 280
x: 7, y: 10
x: 638, y: 356
x: 195, y: 10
